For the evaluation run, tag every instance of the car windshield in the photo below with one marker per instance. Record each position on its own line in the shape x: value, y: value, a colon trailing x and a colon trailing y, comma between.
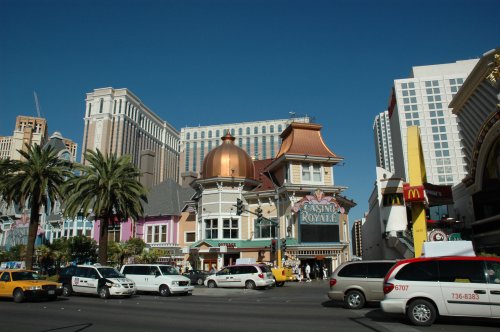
x: 168, y: 270
x: 109, y: 272
x: 25, y: 275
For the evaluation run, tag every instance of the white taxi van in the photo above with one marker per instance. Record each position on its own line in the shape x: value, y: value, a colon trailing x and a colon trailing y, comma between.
x: 424, y: 288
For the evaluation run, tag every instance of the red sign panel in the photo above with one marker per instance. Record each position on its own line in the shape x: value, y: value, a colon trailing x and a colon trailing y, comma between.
x: 413, y: 194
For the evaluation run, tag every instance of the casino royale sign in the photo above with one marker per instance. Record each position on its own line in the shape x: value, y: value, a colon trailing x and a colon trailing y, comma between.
x: 318, y: 209
x: 311, y: 213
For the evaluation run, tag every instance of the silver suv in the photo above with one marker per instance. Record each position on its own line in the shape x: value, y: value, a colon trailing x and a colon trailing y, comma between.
x: 356, y: 283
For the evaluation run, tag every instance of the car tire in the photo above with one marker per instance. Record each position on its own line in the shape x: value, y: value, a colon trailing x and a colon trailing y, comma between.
x: 354, y: 299
x: 249, y: 284
x: 421, y: 312
x: 199, y: 281
x: 67, y: 290
x: 164, y: 290
x: 104, y: 292
x: 18, y: 295
x: 211, y: 284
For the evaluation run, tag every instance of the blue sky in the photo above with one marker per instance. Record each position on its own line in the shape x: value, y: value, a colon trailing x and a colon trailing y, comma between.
x: 210, y: 62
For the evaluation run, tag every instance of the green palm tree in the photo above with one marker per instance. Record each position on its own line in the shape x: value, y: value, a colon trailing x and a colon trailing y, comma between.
x: 34, y: 182
x: 109, y: 188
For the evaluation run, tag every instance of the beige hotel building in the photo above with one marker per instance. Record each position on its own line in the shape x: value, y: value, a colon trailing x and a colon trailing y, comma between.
x: 118, y: 122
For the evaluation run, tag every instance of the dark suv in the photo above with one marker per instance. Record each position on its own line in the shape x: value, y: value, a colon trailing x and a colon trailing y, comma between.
x: 359, y: 282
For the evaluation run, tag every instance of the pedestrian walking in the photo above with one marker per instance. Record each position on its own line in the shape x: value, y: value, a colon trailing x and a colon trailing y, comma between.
x: 308, y: 272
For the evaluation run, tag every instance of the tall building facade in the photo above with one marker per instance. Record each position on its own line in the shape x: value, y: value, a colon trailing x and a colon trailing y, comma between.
x: 423, y: 100
x: 260, y: 140
x: 28, y: 130
x: 383, y: 141
x: 118, y: 122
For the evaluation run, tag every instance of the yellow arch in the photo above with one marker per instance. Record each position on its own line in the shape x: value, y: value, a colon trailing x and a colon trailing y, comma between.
x: 417, y: 177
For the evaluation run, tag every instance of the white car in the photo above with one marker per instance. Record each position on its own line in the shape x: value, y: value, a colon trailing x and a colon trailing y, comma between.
x: 161, y: 278
x: 104, y: 281
x: 249, y: 276
x: 424, y: 288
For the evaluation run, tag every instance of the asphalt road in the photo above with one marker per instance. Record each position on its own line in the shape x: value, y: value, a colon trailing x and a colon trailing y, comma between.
x: 295, y: 307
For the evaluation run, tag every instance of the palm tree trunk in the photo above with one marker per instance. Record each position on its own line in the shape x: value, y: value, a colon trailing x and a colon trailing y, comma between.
x: 33, y: 229
x: 103, y: 241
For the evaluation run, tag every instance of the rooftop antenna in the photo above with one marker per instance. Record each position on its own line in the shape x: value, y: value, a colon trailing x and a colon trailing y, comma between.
x: 37, y: 104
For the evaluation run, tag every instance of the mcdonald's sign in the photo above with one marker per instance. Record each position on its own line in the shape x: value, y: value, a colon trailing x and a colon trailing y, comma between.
x: 413, y: 193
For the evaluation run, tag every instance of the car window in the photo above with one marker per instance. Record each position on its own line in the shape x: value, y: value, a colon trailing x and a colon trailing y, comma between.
x: 378, y: 270
x: 81, y: 272
x: 247, y: 269
x: 141, y: 270
x: 493, y: 272
x: 419, y: 271
x: 25, y: 275
x: 129, y: 270
x: 68, y: 271
x: 265, y: 268
x: 109, y: 272
x: 5, y: 276
x: 168, y: 270
x: 462, y: 271
x: 224, y: 271
x: 355, y: 270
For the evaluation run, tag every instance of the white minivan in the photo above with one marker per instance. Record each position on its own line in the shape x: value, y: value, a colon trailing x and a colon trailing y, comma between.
x: 424, y: 288
x: 161, y: 278
x: 104, y: 281
x: 249, y: 276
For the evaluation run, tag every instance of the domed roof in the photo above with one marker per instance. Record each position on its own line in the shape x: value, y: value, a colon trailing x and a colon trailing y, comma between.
x: 228, y: 160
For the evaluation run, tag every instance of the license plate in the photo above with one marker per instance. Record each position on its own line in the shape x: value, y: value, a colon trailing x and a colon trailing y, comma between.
x: 51, y: 292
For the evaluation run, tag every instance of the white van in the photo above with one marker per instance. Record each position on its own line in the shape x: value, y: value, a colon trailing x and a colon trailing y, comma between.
x: 104, y: 281
x: 161, y: 278
x: 424, y: 288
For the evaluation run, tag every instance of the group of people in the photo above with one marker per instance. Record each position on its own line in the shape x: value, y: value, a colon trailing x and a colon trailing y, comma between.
x: 308, y: 274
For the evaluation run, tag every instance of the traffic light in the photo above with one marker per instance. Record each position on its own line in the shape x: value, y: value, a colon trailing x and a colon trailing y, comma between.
x: 273, y: 245
x: 283, y: 244
x: 239, y: 207
x: 259, y: 215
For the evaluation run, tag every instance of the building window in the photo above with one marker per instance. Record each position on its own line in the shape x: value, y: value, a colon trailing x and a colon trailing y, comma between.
x: 202, y: 134
x: 265, y: 229
x: 248, y: 145
x: 101, y: 105
x: 312, y: 173
x: 271, y: 143
x: 190, y: 237
x: 240, y: 142
x: 209, y: 134
x: 211, y: 229
x: 202, y: 152
x: 114, y: 233
x: 240, y: 132
x: 263, y: 129
x: 280, y: 128
x: 256, y: 147
x: 264, y: 148
x: 209, y: 146
x: 195, y: 151
x: 271, y: 129
x: 156, y: 234
x: 186, y: 167
x: 255, y: 130
x: 188, y: 136
x: 248, y: 130
x: 217, y: 133
x: 230, y: 228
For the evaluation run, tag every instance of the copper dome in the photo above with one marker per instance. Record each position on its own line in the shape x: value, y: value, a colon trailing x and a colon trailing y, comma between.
x: 228, y: 160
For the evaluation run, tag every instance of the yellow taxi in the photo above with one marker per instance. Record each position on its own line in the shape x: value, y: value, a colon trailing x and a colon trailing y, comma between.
x: 26, y: 284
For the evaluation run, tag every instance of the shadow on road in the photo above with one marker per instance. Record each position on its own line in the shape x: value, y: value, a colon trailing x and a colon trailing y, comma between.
x: 72, y: 328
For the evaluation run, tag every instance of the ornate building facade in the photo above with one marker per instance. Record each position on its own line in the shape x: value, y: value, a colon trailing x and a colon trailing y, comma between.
x: 300, y: 204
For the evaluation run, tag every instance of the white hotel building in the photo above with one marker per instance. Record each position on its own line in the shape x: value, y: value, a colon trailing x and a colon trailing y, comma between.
x: 260, y: 139
x: 422, y: 100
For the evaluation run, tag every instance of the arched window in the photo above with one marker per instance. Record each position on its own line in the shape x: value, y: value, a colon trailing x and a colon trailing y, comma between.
x: 263, y: 129
x: 240, y: 131
x: 209, y: 134
x: 217, y: 133
x: 101, y: 102
x: 202, y: 134
x: 232, y: 132
x: 271, y: 129
x: 248, y: 130
x: 195, y: 135
x: 256, y: 130
x: 280, y: 129
x: 188, y: 136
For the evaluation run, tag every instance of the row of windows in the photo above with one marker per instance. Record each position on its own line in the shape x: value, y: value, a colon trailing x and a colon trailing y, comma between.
x: 217, y: 133
x: 230, y: 229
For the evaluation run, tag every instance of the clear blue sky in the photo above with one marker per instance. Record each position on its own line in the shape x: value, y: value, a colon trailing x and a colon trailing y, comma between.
x: 209, y: 61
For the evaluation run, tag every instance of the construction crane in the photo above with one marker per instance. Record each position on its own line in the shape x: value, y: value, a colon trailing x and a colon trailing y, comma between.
x: 37, y: 105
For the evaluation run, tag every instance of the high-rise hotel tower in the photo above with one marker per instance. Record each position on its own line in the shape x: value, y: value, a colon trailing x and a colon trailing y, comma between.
x: 118, y: 122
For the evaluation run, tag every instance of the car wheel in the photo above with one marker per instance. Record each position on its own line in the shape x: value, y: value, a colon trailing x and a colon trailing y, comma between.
x: 211, y: 284
x: 199, y: 281
x: 164, y: 290
x: 421, y: 312
x: 67, y: 291
x: 249, y: 284
x: 104, y: 292
x: 354, y: 299
x: 18, y: 296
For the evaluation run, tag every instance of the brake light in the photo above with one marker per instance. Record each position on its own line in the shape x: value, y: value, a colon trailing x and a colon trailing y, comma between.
x: 333, y: 282
x: 388, y: 287
x: 261, y: 275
